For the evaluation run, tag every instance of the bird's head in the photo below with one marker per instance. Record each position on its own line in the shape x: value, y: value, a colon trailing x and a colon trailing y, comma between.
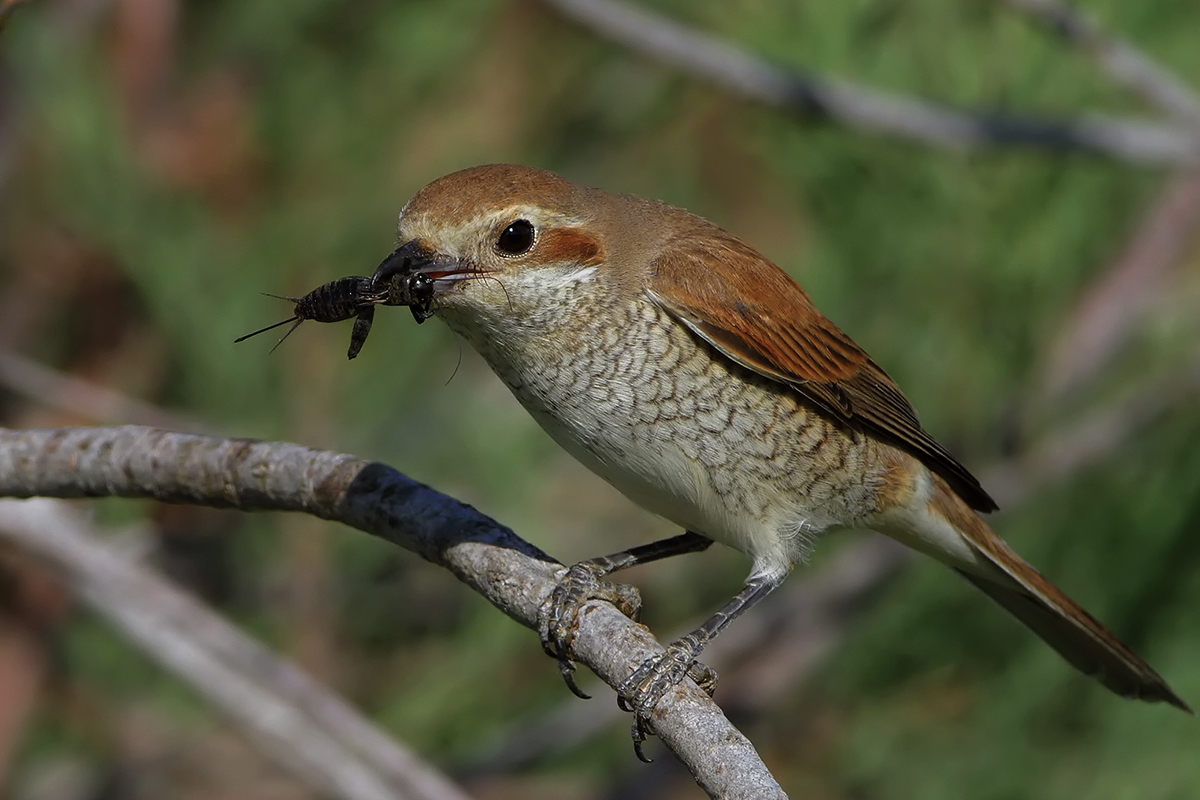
x: 500, y: 240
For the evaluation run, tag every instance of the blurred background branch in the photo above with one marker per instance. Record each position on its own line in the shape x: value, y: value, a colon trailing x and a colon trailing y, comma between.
x: 876, y: 111
x: 1121, y: 61
x: 82, y: 398
x: 1112, y: 307
x: 293, y: 719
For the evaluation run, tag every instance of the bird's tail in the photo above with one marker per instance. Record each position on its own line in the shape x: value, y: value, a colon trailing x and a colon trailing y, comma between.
x: 1021, y: 590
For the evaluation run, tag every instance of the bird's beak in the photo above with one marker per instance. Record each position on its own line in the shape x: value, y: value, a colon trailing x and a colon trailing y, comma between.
x: 415, y: 256
x: 411, y: 257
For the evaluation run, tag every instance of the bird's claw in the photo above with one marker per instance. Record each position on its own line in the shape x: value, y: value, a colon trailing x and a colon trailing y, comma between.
x: 642, y: 690
x: 558, y: 624
x: 558, y: 620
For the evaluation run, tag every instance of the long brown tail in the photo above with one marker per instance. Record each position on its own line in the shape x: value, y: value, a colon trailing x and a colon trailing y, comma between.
x: 1047, y: 611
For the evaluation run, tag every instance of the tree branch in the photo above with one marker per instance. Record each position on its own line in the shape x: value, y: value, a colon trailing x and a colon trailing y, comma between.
x: 73, y: 395
x: 1112, y: 306
x: 281, y: 709
x: 1122, y: 61
x: 867, y: 109
x: 512, y: 574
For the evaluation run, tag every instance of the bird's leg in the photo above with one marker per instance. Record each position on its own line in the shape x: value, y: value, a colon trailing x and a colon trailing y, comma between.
x: 642, y: 690
x: 559, y: 617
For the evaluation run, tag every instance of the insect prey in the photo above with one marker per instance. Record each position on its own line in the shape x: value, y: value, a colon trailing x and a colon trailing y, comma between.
x: 356, y: 296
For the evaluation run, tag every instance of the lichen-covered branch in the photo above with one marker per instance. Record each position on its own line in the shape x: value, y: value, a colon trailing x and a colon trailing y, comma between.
x: 513, y: 575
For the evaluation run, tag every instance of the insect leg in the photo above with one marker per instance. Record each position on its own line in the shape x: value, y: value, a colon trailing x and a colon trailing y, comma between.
x: 362, y: 327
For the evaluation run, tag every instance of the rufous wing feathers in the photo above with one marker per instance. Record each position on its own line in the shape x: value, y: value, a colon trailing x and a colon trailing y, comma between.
x: 747, y: 308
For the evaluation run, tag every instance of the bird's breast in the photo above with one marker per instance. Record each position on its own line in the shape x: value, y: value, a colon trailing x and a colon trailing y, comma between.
x: 679, y: 429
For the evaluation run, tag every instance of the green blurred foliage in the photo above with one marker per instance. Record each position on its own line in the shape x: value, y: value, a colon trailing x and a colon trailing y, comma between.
x: 271, y: 147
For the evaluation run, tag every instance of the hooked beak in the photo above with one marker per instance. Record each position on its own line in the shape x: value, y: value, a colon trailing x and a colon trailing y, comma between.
x: 413, y: 257
x: 405, y: 260
x: 415, y: 275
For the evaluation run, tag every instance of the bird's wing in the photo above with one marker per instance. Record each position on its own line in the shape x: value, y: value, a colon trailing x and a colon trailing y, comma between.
x: 752, y: 312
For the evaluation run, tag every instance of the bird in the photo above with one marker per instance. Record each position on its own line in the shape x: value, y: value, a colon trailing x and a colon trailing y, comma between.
x: 698, y: 378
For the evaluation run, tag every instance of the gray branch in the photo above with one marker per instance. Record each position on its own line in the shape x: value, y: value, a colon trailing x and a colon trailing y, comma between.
x: 296, y: 722
x: 867, y: 109
x: 73, y: 395
x: 1112, y: 308
x: 1122, y: 61
x: 512, y: 574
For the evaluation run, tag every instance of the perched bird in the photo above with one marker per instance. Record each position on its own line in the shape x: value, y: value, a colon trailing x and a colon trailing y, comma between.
x: 695, y: 376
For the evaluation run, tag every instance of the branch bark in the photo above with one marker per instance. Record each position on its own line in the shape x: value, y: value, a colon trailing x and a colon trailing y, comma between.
x: 868, y: 109
x: 513, y: 575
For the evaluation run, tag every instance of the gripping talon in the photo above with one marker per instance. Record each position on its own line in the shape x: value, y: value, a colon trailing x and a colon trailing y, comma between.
x: 566, y: 668
x: 638, y: 733
x: 642, y: 690
x: 640, y: 693
x: 559, y: 617
x: 705, y: 677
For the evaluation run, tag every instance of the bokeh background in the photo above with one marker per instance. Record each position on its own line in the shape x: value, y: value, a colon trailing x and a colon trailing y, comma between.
x: 164, y: 162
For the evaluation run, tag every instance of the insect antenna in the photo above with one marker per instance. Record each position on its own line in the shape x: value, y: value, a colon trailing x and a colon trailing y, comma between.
x: 456, y: 366
x: 271, y: 327
x: 289, y: 332
x: 481, y: 274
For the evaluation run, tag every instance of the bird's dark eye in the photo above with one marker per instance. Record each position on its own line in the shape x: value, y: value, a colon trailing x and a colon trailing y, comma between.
x: 516, y: 239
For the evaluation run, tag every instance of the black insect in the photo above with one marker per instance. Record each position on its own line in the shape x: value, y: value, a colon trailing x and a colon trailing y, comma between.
x: 414, y: 291
x: 400, y: 276
x: 335, y: 301
x: 356, y: 296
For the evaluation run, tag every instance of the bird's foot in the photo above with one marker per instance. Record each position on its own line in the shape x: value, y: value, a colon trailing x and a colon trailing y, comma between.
x: 558, y: 620
x: 642, y: 690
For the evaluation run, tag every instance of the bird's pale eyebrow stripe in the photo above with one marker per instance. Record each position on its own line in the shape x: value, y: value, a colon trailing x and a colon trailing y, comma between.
x: 569, y: 245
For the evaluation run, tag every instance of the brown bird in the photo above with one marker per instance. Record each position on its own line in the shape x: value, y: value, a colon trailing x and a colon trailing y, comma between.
x: 696, y: 377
